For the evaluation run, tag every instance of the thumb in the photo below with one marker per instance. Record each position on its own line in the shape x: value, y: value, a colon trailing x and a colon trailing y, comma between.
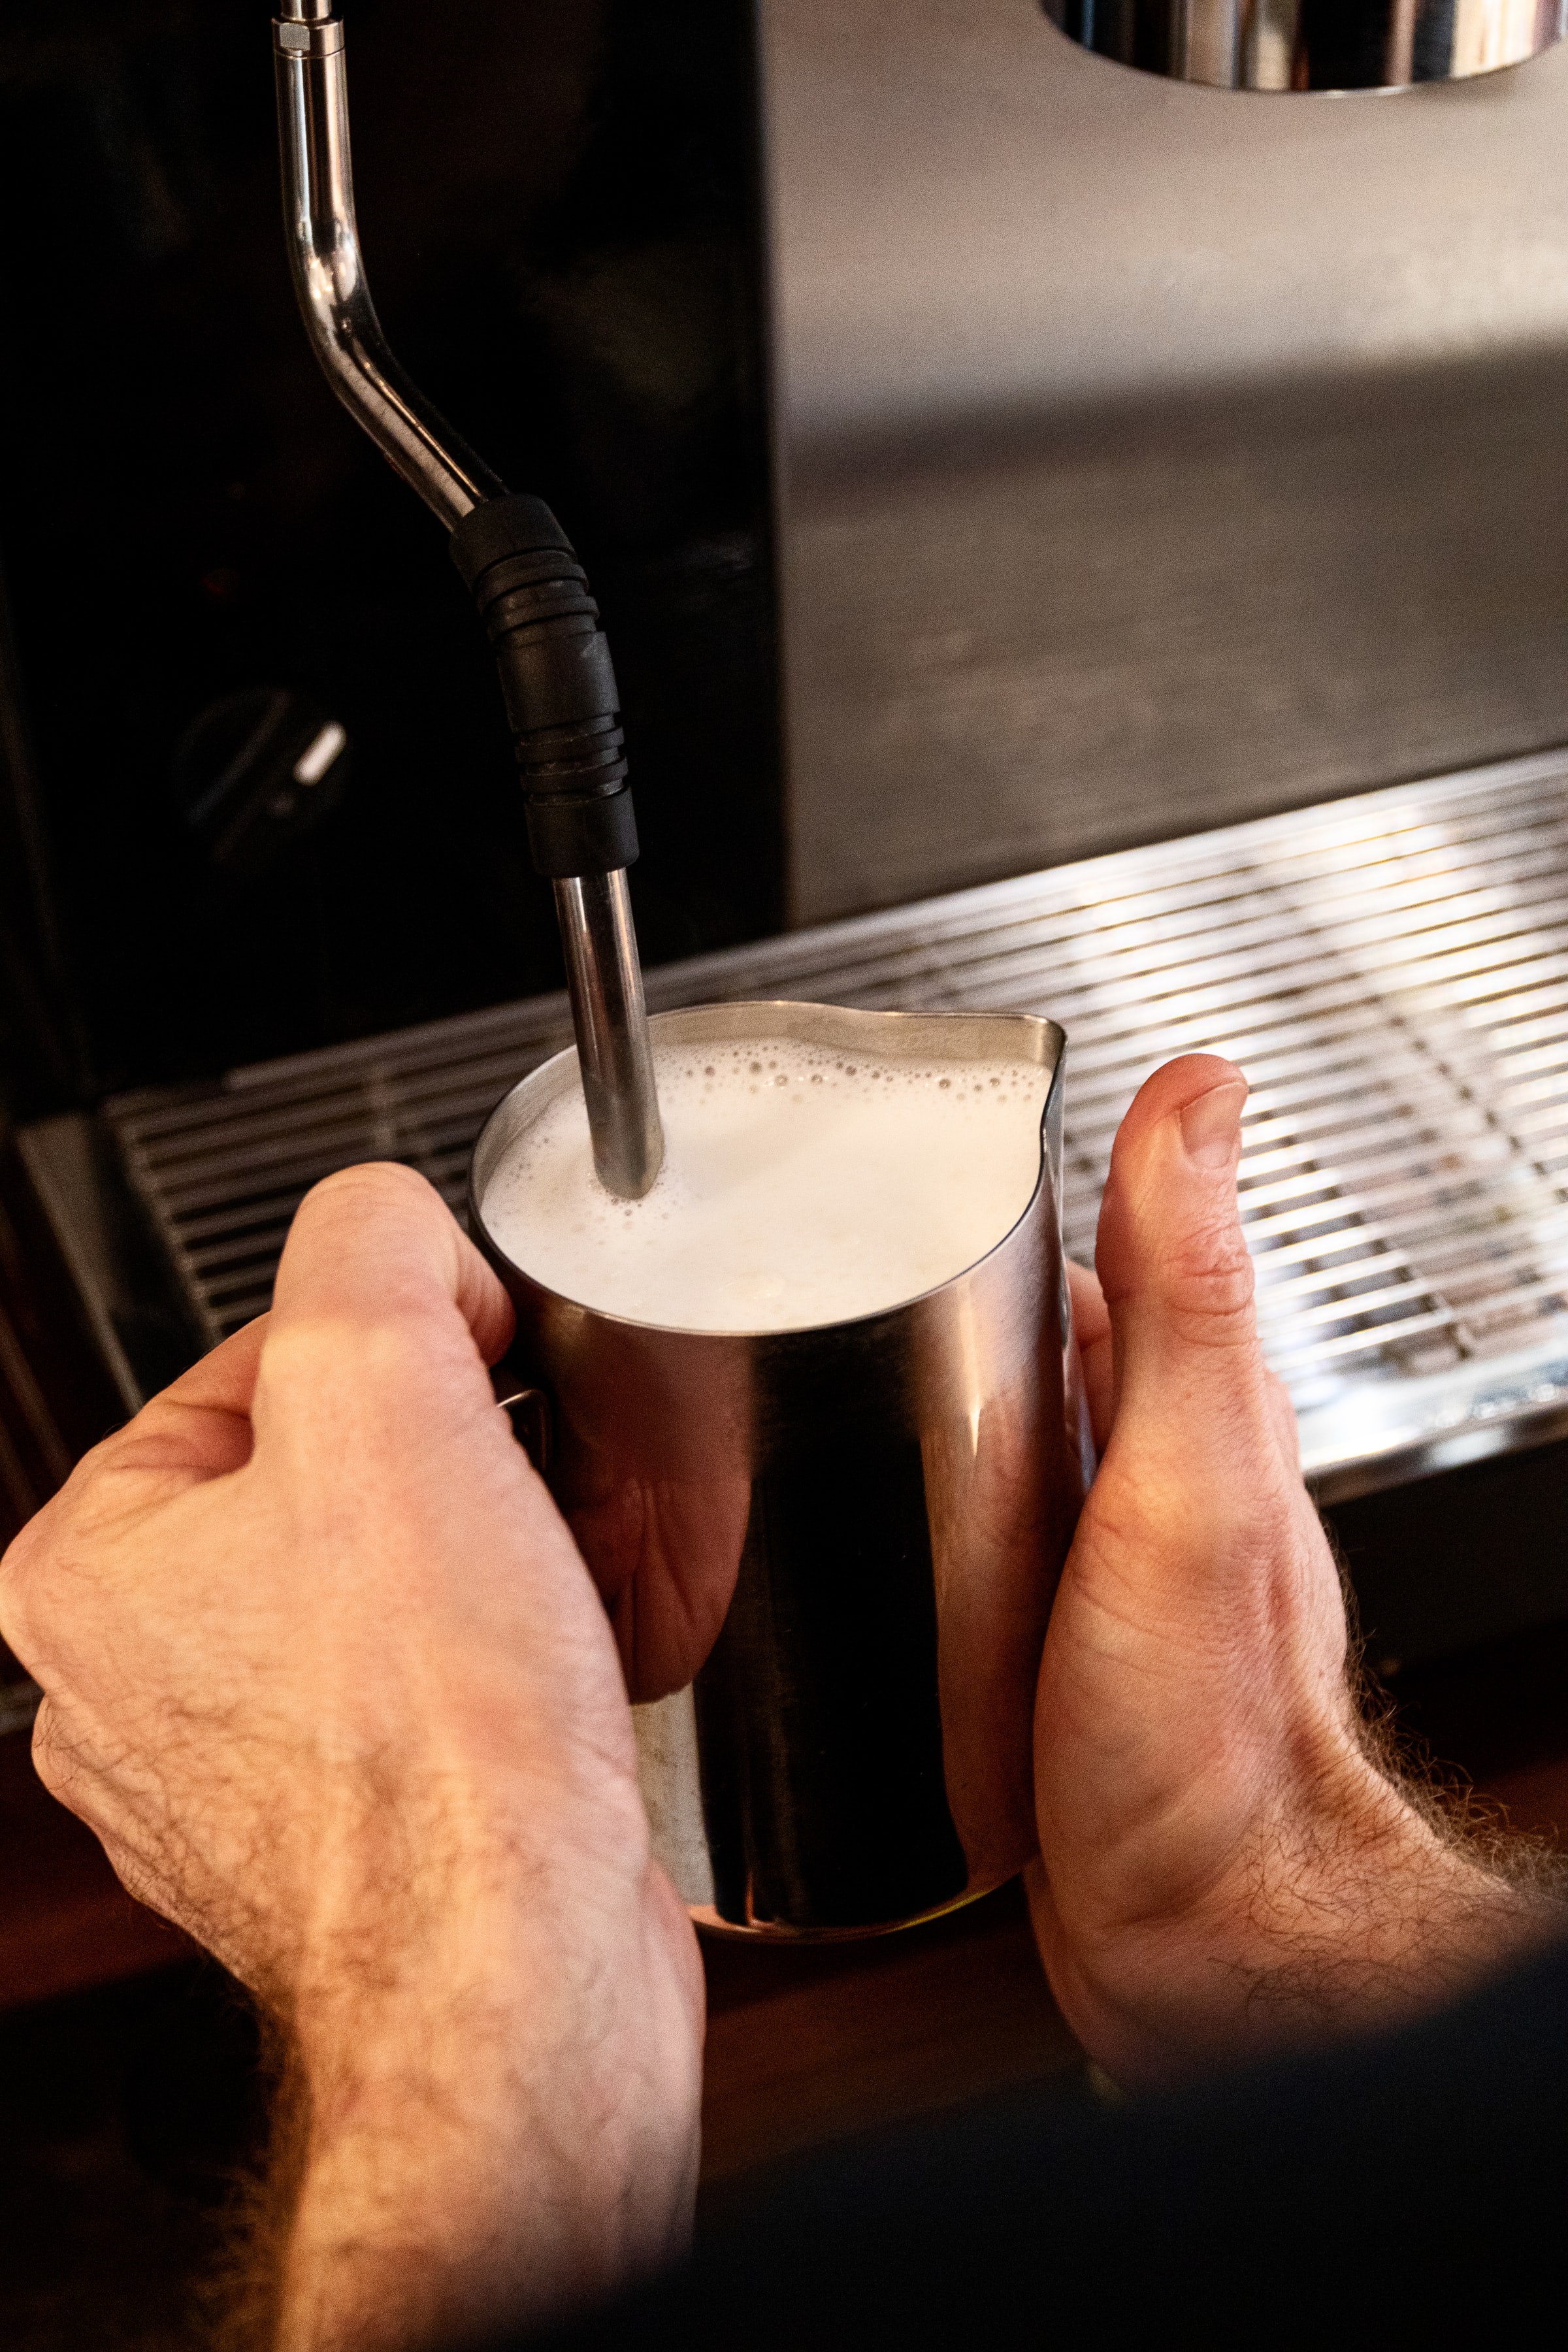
x: 1190, y: 1380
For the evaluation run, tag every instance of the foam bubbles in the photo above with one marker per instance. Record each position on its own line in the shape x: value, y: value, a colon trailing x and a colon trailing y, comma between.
x: 798, y: 1188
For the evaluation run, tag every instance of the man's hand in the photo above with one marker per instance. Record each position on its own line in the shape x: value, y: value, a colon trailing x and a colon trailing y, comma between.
x: 1224, y: 1864
x: 326, y: 1674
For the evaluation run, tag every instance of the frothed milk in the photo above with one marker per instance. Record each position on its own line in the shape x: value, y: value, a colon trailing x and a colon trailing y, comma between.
x: 801, y: 1185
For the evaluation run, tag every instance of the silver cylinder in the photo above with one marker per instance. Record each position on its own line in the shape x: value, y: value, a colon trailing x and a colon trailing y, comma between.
x: 329, y: 278
x: 829, y: 1554
x: 1307, y: 45
x: 604, y: 976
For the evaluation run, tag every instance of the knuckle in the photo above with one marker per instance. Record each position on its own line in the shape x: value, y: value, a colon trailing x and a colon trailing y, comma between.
x: 16, y: 1558
x: 13, y: 1625
x: 1208, y: 1284
x: 55, y: 1760
x: 24, y: 1566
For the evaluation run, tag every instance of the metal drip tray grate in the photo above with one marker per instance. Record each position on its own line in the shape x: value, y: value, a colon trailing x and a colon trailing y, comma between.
x: 1392, y: 971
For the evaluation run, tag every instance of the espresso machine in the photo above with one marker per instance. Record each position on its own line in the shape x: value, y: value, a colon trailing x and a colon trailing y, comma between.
x: 1074, y: 496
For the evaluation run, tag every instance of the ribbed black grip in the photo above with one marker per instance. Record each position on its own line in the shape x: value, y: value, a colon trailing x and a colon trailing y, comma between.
x: 558, y: 681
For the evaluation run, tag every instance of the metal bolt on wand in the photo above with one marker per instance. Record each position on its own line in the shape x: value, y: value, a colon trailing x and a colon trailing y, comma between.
x: 532, y: 591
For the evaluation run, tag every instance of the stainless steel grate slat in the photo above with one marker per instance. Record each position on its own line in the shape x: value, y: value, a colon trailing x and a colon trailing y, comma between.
x: 1391, y: 970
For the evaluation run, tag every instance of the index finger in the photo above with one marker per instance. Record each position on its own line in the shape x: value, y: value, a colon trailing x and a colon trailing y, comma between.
x: 1091, y: 1322
x: 200, y: 1422
x: 195, y: 1429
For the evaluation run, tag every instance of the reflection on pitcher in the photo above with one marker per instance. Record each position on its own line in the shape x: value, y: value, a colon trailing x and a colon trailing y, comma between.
x: 817, y: 1428
x: 665, y: 1554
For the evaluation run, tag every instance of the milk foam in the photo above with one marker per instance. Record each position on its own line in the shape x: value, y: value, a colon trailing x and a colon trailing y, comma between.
x: 801, y: 1185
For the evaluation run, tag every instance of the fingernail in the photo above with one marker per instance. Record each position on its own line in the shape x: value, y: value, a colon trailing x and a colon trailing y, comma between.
x: 1211, y: 1126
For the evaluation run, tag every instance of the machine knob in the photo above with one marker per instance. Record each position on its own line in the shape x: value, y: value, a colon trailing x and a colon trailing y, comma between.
x: 257, y: 773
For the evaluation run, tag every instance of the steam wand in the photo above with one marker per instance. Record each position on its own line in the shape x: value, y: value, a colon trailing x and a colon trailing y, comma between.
x: 532, y: 594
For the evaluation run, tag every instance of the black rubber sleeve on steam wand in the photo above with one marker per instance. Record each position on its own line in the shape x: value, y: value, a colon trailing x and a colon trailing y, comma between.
x: 558, y: 681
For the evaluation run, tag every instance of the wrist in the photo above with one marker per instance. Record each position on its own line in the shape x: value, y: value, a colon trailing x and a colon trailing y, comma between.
x: 498, y: 2117
x: 1341, y: 1908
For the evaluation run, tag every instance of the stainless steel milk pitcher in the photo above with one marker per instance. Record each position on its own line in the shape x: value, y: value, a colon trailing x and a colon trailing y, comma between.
x: 829, y: 1554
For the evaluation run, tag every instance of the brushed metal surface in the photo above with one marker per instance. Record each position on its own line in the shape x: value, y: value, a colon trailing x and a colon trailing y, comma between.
x: 1150, y: 456
x: 1296, y: 47
x: 1391, y: 971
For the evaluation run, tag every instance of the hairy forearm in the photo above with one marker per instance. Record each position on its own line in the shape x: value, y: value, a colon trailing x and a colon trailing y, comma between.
x: 465, y: 2142
x: 1333, y: 1917
x: 421, y: 2213
x: 415, y: 2203
x: 1376, y: 1912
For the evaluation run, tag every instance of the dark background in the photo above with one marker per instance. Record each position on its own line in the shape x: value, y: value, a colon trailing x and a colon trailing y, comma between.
x: 558, y: 204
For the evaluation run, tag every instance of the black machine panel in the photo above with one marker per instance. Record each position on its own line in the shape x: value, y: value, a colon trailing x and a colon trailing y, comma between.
x: 207, y: 565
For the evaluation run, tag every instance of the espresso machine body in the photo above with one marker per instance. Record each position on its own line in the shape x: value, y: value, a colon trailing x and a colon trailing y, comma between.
x: 1150, y: 455
x: 987, y: 458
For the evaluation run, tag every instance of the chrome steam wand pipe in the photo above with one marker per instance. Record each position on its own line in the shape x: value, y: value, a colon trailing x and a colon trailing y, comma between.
x: 610, y: 1018
x: 555, y: 661
x: 329, y: 271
